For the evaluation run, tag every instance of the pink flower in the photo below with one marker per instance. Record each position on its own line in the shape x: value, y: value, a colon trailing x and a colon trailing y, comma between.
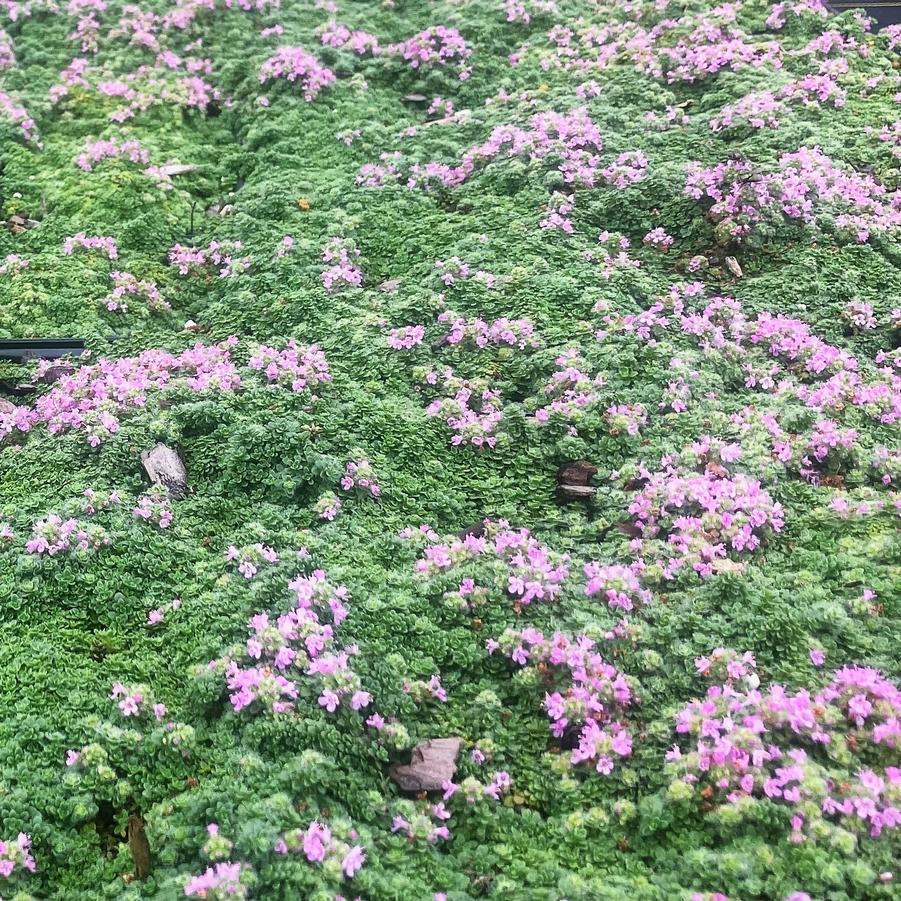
x: 315, y: 842
x: 352, y: 861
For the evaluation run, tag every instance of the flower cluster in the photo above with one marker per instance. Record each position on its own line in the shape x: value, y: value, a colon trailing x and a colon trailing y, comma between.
x: 469, y: 408
x: 693, y: 60
x: 327, y: 506
x: 14, y: 112
x: 570, y: 390
x: 156, y: 615
x: 342, y: 271
x: 7, y: 51
x: 99, y: 500
x: 221, y: 882
x: 765, y: 109
x: 628, y: 168
x: 700, y: 519
x: 570, y: 143
x: 519, y: 333
x: 284, y: 247
x: 172, y: 79
x: 295, y: 64
x: 647, y: 325
x: 421, y: 821
x: 13, y: 263
x: 843, y: 508
x: 136, y: 702
x: 327, y: 846
x: 436, y: 46
x: 421, y: 691
x: 279, y: 659
x: 751, y: 744
x: 658, y: 239
x: 455, y: 270
x: 154, y: 507
x: 612, y: 263
x: 887, y: 464
x: 527, y: 569
x: 53, y: 535
x: 586, y: 697
x: 473, y: 791
x: 217, y: 846
x: 619, y: 585
x: 729, y: 665
x: 250, y: 558
x: 99, y: 150
x: 360, y: 474
x: 760, y: 110
x: 126, y: 285
x: 806, y: 187
x: 334, y: 34
x: 104, y: 245
x: 628, y: 418
x: 523, y: 10
x: 196, y: 260
x: 406, y: 337
x: 859, y: 315
x: 92, y: 398
x: 302, y: 368
x: 16, y: 854
x: 829, y: 449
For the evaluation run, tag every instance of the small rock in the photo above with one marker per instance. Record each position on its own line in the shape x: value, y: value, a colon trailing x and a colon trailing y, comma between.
x: 431, y: 765
x: 172, y: 169
x: 733, y: 267
x: 576, y: 492
x: 477, y: 530
x: 164, y: 467
x: 17, y: 224
x: 53, y: 373
x: 578, y: 473
x: 574, y: 481
x: 629, y: 529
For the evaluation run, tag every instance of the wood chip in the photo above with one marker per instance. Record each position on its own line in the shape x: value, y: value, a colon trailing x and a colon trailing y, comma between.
x: 431, y: 765
x: 139, y: 846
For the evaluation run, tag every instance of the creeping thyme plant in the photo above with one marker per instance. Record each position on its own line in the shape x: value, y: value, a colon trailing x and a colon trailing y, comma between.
x: 383, y: 273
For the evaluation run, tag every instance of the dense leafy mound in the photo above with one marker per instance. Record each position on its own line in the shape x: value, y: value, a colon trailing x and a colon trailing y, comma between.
x: 380, y: 273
